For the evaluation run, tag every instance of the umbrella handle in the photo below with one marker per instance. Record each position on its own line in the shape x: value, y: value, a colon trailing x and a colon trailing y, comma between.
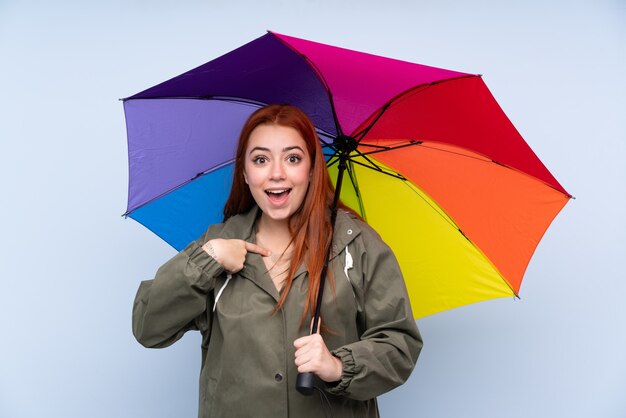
x: 306, y: 383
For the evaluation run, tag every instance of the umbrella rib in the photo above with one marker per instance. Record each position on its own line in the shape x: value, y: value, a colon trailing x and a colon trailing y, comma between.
x: 324, y: 134
x: 361, y: 134
x: 372, y: 165
x: 234, y: 99
x: 332, y: 162
x: 366, y: 158
x: 186, y: 182
x: 436, y: 208
x: 375, y: 166
x: 241, y: 100
x: 422, y: 87
x: 320, y: 76
x: 406, y: 94
x: 447, y: 218
x: 357, y: 191
x: 380, y: 170
x: 334, y: 159
x: 416, y: 90
x: 384, y: 149
x: 486, y: 159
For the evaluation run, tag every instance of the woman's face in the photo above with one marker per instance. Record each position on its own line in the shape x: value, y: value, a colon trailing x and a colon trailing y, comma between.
x: 277, y: 169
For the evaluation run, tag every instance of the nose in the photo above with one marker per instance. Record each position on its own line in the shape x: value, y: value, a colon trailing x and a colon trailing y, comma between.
x: 278, y: 171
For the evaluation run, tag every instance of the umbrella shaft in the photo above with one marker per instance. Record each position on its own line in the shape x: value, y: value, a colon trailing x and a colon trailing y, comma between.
x: 333, y: 216
x: 306, y: 382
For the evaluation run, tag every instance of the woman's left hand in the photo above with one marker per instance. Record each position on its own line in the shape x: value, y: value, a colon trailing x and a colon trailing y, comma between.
x: 313, y: 356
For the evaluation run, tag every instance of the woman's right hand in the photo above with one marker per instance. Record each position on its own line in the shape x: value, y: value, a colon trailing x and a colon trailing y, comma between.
x: 231, y: 253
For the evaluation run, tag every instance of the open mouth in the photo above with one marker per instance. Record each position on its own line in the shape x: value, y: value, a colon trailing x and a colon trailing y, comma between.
x: 277, y: 194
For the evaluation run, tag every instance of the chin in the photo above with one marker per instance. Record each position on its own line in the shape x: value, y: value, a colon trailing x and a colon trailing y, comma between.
x: 278, y: 215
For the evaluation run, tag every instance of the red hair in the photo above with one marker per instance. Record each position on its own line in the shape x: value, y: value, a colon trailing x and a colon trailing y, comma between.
x: 311, y: 231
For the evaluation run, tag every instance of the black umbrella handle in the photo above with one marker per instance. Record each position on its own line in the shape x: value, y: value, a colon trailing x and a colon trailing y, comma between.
x: 307, y: 382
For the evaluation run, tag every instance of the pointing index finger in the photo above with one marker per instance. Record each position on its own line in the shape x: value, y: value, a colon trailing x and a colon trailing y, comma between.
x: 253, y: 248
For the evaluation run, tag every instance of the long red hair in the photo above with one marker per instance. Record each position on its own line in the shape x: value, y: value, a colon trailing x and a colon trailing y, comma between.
x: 311, y: 231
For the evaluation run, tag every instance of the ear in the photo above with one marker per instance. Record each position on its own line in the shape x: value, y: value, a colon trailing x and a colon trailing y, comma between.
x: 245, y: 177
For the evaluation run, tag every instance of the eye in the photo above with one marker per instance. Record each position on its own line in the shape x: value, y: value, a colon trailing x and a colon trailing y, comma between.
x: 259, y: 160
x: 294, y: 158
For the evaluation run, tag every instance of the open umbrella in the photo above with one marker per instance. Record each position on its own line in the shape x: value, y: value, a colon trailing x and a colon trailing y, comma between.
x: 431, y: 161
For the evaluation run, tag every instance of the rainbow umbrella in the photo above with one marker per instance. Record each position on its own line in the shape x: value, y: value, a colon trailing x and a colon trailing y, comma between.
x: 427, y: 157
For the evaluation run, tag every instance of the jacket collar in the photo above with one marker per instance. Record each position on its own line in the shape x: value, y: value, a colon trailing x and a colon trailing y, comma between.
x: 242, y: 226
x: 346, y: 230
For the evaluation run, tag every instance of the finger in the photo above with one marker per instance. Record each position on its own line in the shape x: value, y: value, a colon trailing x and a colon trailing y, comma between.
x: 305, y: 368
x: 304, y: 356
x: 253, y: 248
x: 301, y: 342
x: 301, y: 359
x: 304, y: 351
x: 312, y: 347
x: 309, y: 365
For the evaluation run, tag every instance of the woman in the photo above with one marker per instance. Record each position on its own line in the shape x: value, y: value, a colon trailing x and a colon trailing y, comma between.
x: 249, y: 285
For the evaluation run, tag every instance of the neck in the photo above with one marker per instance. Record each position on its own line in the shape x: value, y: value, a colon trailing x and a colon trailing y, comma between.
x: 274, y: 232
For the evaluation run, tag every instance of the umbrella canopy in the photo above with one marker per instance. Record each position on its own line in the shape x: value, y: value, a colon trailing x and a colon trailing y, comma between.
x: 435, y: 166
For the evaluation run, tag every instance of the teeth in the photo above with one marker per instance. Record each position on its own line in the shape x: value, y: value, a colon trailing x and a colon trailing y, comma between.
x: 277, y: 191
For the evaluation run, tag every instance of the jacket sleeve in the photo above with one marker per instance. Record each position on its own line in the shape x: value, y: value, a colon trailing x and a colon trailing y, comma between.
x: 175, y: 301
x: 390, y: 344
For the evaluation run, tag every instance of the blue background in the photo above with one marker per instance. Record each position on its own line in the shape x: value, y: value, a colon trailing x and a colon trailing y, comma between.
x: 71, y: 264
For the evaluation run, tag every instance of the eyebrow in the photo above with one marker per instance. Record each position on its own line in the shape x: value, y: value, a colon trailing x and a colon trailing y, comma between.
x: 286, y: 149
